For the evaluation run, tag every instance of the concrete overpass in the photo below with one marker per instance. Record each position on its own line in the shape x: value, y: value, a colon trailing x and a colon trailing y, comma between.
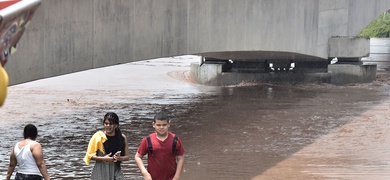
x: 70, y: 36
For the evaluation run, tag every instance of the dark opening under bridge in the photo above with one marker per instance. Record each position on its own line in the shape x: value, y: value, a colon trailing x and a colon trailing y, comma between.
x: 71, y: 36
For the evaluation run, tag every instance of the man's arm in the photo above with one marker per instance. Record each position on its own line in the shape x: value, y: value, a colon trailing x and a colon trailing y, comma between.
x: 179, y: 168
x: 37, y: 152
x: 138, y: 159
x: 12, y: 165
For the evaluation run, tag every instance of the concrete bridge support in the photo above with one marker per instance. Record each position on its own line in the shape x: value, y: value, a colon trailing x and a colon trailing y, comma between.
x: 349, y: 67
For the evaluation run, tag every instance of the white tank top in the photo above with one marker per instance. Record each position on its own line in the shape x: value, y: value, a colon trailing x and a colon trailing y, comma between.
x: 25, y: 159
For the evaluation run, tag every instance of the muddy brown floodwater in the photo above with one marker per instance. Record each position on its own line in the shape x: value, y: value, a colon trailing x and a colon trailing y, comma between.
x: 250, y: 131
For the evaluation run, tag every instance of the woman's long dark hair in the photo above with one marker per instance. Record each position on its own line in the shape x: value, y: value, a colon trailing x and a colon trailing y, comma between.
x: 114, y: 119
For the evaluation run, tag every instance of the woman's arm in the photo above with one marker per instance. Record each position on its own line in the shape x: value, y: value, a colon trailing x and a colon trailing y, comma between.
x: 126, y: 157
x: 36, y: 150
x: 12, y: 164
x: 107, y: 158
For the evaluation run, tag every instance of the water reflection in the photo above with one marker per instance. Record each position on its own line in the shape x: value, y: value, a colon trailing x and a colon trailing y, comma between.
x: 269, y: 93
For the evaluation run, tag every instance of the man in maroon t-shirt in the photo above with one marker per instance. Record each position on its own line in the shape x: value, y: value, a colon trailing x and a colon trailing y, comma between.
x: 165, y: 152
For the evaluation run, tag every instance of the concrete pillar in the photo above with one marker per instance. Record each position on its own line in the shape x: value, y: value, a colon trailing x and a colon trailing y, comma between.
x: 206, y: 73
x: 348, y: 49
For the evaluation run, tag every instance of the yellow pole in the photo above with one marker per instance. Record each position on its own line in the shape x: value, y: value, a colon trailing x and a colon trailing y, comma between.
x: 3, y: 85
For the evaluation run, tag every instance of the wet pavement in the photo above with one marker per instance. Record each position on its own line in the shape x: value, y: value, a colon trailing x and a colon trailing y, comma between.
x: 250, y: 131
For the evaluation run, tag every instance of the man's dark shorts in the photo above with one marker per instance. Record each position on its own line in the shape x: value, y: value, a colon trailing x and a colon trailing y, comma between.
x: 20, y: 176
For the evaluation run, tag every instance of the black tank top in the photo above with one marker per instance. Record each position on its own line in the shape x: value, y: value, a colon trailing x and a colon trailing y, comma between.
x: 112, y: 145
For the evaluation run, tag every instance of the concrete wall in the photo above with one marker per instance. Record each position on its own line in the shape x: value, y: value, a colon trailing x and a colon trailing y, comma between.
x: 379, y: 53
x: 67, y: 36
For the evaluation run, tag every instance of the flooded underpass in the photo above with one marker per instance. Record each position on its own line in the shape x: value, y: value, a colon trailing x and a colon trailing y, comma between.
x: 250, y: 131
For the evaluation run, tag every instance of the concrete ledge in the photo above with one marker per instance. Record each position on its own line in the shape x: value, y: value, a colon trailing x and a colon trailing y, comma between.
x: 349, y: 73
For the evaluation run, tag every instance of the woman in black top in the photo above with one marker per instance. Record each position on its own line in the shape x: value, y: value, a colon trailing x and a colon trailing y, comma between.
x: 108, y: 148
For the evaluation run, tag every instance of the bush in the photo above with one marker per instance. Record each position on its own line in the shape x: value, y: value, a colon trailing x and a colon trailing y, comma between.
x: 380, y: 27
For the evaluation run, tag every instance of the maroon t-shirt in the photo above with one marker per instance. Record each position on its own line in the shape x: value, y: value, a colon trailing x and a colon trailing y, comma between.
x: 161, y: 162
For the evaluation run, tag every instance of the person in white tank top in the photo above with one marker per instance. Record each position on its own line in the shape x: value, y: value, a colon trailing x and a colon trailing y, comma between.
x: 28, y: 155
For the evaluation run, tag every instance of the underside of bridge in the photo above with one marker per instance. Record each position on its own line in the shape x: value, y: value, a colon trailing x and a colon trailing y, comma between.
x: 343, y: 66
x: 265, y: 61
x: 232, y: 68
x: 224, y: 72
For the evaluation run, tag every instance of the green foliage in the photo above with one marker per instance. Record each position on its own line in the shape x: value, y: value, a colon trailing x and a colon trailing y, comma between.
x: 380, y: 27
